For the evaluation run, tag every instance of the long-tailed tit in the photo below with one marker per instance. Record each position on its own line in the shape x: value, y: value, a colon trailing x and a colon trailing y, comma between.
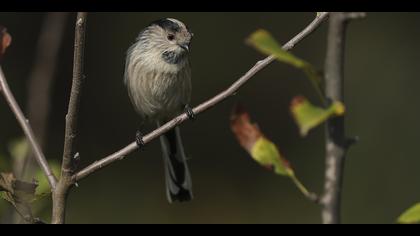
x: 158, y: 79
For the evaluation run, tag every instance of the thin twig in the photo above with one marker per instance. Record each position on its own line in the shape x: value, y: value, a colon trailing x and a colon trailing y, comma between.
x: 39, y: 155
x: 38, y: 91
x: 60, y: 193
x: 119, y: 155
x: 336, y: 142
x: 311, y: 196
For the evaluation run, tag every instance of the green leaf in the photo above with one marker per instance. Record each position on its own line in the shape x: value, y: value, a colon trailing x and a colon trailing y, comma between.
x: 43, y: 185
x: 6, y: 196
x: 410, y: 216
x: 265, y: 43
x: 3, y: 163
x: 261, y: 149
x: 255, y: 143
x: 308, y: 116
x: 266, y: 153
x: 19, y: 148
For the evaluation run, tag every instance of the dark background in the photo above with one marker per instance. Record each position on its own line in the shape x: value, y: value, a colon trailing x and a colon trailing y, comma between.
x: 381, y: 93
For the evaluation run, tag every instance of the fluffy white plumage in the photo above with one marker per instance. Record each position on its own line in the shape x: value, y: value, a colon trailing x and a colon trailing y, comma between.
x: 158, y: 89
x: 158, y: 79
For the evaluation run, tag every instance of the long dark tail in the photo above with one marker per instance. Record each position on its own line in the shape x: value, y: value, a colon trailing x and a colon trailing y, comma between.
x: 177, y: 175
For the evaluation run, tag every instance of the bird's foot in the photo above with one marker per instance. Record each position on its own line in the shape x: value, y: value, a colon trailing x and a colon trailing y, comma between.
x: 190, y: 113
x: 139, y: 139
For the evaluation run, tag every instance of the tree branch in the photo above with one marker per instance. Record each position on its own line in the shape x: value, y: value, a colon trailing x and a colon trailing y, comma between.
x: 38, y: 91
x: 336, y: 141
x: 119, y: 155
x: 60, y: 194
x: 24, y: 123
x: 75, y: 94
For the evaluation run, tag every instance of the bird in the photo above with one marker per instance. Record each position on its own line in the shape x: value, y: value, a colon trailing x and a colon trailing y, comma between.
x: 158, y: 79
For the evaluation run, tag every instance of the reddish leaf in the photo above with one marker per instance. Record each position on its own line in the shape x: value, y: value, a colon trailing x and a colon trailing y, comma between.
x: 246, y: 132
x: 256, y: 144
x: 261, y: 149
x: 5, y: 40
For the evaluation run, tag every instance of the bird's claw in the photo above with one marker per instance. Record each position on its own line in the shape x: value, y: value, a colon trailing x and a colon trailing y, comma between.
x: 190, y: 113
x: 139, y: 139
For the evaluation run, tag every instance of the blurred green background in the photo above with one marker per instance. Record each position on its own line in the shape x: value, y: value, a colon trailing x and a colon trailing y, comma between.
x: 382, y: 176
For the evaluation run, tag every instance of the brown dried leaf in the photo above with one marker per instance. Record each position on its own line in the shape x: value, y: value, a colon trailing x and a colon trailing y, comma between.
x: 21, y: 189
x: 260, y: 148
x: 18, y: 193
x: 6, y: 182
x: 5, y: 40
x: 246, y: 132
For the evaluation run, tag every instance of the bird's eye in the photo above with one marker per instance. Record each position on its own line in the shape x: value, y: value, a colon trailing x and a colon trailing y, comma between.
x: 171, y: 37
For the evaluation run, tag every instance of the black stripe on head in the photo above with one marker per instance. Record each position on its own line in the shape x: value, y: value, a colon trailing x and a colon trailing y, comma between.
x: 167, y: 25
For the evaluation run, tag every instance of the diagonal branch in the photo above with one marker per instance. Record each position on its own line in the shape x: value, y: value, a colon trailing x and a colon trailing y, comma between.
x: 24, y: 123
x: 119, y: 155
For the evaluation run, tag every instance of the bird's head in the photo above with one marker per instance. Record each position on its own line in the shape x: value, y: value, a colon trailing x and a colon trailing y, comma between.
x: 168, y: 37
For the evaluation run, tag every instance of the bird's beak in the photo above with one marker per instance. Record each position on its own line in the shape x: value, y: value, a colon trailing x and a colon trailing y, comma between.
x: 185, y: 47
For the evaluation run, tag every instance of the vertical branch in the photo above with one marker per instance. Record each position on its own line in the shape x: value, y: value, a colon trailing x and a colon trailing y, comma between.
x: 75, y: 94
x: 336, y: 141
x: 65, y: 182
